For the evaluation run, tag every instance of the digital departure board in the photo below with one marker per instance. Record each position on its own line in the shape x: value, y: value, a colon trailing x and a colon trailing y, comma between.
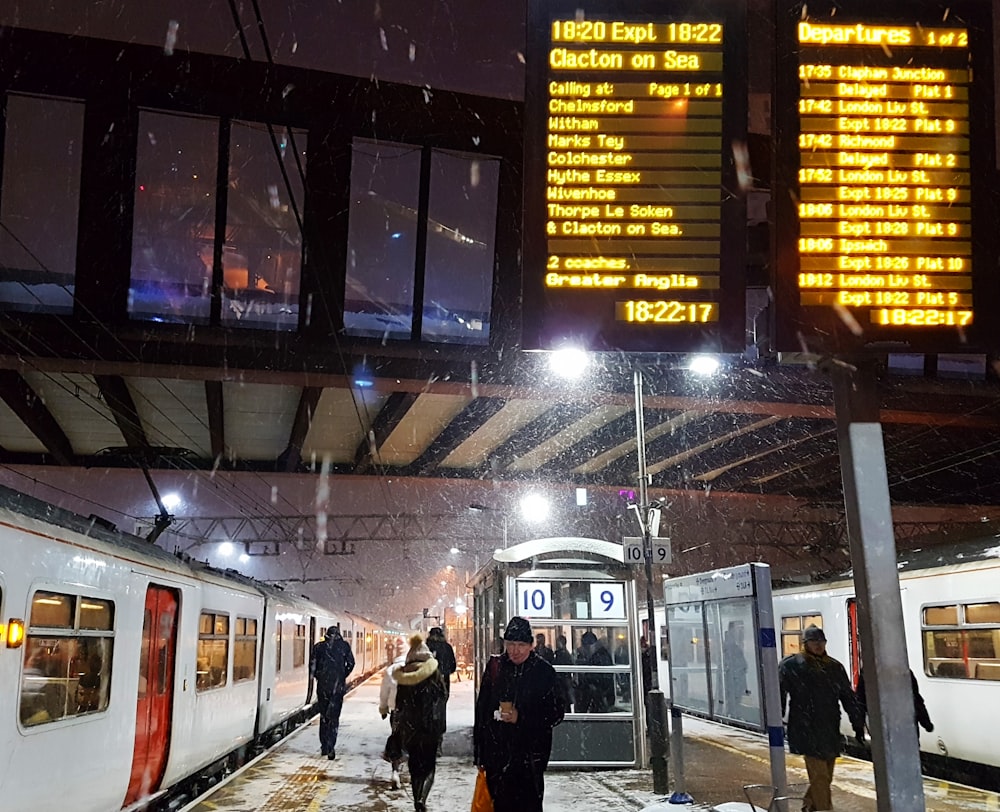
x: 891, y: 116
x: 634, y: 224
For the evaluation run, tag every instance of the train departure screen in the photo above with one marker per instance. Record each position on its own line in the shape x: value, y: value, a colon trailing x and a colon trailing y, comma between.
x: 884, y: 189
x: 625, y: 149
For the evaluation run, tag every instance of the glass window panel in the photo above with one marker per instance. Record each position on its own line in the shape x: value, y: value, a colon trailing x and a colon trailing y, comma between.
x: 736, y: 689
x: 461, y: 230
x: 791, y: 624
x: 251, y: 625
x: 90, y: 675
x: 222, y: 624
x: 173, y: 231
x: 51, y: 610
x: 277, y: 647
x: 688, y: 676
x: 982, y: 612
x: 39, y: 198
x: 262, y: 257
x: 244, y: 659
x: 213, y: 656
x: 981, y: 644
x: 96, y: 614
x: 147, y: 630
x: 941, y: 615
x: 205, y: 623
x: 164, y: 653
x: 382, y: 239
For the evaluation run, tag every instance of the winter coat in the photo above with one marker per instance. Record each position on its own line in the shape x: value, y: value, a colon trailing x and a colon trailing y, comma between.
x: 420, y: 701
x: 921, y: 716
x: 332, y: 661
x: 534, y: 689
x: 816, y: 686
x: 443, y: 653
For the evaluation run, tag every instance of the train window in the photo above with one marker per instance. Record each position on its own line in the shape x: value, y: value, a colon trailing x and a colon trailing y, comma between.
x: 299, y: 647
x: 791, y: 631
x: 941, y: 615
x: 956, y: 644
x: 52, y: 611
x: 982, y: 612
x: 95, y: 614
x: 213, y: 651
x: 245, y: 649
x: 67, y: 661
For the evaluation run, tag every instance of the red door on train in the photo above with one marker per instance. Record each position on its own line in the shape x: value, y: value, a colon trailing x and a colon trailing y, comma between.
x: 155, y: 694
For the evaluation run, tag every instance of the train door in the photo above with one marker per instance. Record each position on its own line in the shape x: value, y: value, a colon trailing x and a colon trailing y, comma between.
x: 152, y: 713
x: 854, y: 642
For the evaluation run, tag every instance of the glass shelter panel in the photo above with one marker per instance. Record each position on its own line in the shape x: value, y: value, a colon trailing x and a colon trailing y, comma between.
x: 173, y: 232
x: 735, y: 686
x: 39, y: 197
x: 461, y: 229
x: 382, y: 240
x: 262, y: 256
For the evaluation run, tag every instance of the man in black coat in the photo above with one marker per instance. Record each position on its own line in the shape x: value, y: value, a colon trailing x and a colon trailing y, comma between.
x: 445, y: 655
x: 816, y: 685
x: 332, y: 661
x: 921, y: 717
x: 519, y: 703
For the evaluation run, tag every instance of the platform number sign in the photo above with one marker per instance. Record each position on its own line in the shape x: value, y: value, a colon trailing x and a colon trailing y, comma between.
x: 607, y: 601
x: 534, y: 599
x: 633, y: 550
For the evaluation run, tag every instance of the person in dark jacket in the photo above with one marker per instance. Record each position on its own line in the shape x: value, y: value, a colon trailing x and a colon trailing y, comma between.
x: 813, y: 686
x: 442, y: 651
x: 420, y: 704
x: 595, y: 691
x: 332, y: 661
x: 519, y: 703
x: 920, y: 714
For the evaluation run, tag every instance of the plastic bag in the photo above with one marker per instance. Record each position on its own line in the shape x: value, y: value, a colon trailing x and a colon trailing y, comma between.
x: 481, y: 800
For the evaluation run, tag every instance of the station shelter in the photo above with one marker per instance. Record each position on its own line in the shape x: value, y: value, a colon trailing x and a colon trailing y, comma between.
x: 580, y: 596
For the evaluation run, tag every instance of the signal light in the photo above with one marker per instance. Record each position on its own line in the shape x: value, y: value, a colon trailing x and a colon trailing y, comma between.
x: 15, y: 632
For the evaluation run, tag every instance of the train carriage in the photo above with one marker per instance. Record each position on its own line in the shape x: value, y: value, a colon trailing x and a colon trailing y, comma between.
x: 951, y: 612
x: 136, y: 671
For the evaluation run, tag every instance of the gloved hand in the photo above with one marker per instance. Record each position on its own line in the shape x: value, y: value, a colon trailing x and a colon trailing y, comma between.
x: 929, y: 727
x: 860, y: 736
x: 383, y: 714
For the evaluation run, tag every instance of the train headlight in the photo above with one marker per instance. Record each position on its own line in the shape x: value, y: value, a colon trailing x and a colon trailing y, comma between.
x: 15, y: 632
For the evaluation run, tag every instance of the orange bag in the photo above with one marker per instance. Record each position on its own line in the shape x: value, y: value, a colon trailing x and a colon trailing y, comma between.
x: 481, y: 800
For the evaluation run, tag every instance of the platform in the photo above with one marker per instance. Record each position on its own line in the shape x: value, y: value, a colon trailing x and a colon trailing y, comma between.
x: 294, y: 777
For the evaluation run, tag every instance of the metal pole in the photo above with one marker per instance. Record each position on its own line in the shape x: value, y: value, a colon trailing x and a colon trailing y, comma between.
x: 655, y: 706
x: 895, y: 749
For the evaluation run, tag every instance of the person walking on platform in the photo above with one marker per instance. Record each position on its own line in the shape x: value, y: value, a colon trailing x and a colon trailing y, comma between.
x: 332, y: 661
x: 442, y: 651
x: 921, y: 718
x: 519, y: 703
x: 420, y: 703
x: 813, y: 686
x: 393, y: 752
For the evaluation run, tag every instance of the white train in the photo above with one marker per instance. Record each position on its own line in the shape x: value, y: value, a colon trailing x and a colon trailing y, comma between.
x: 951, y: 614
x: 130, y: 673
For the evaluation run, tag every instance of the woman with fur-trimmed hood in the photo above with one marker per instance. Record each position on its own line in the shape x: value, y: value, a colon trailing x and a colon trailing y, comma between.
x: 420, y: 703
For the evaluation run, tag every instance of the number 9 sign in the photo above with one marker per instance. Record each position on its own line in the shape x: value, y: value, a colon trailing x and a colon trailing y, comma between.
x: 607, y: 601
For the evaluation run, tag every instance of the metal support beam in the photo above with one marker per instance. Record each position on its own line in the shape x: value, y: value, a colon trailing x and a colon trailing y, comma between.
x: 898, y: 782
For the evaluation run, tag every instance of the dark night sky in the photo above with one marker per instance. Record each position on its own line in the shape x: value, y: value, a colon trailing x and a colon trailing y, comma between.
x: 471, y: 46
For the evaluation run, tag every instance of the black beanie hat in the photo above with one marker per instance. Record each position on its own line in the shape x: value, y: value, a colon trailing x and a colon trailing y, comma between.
x: 518, y: 631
